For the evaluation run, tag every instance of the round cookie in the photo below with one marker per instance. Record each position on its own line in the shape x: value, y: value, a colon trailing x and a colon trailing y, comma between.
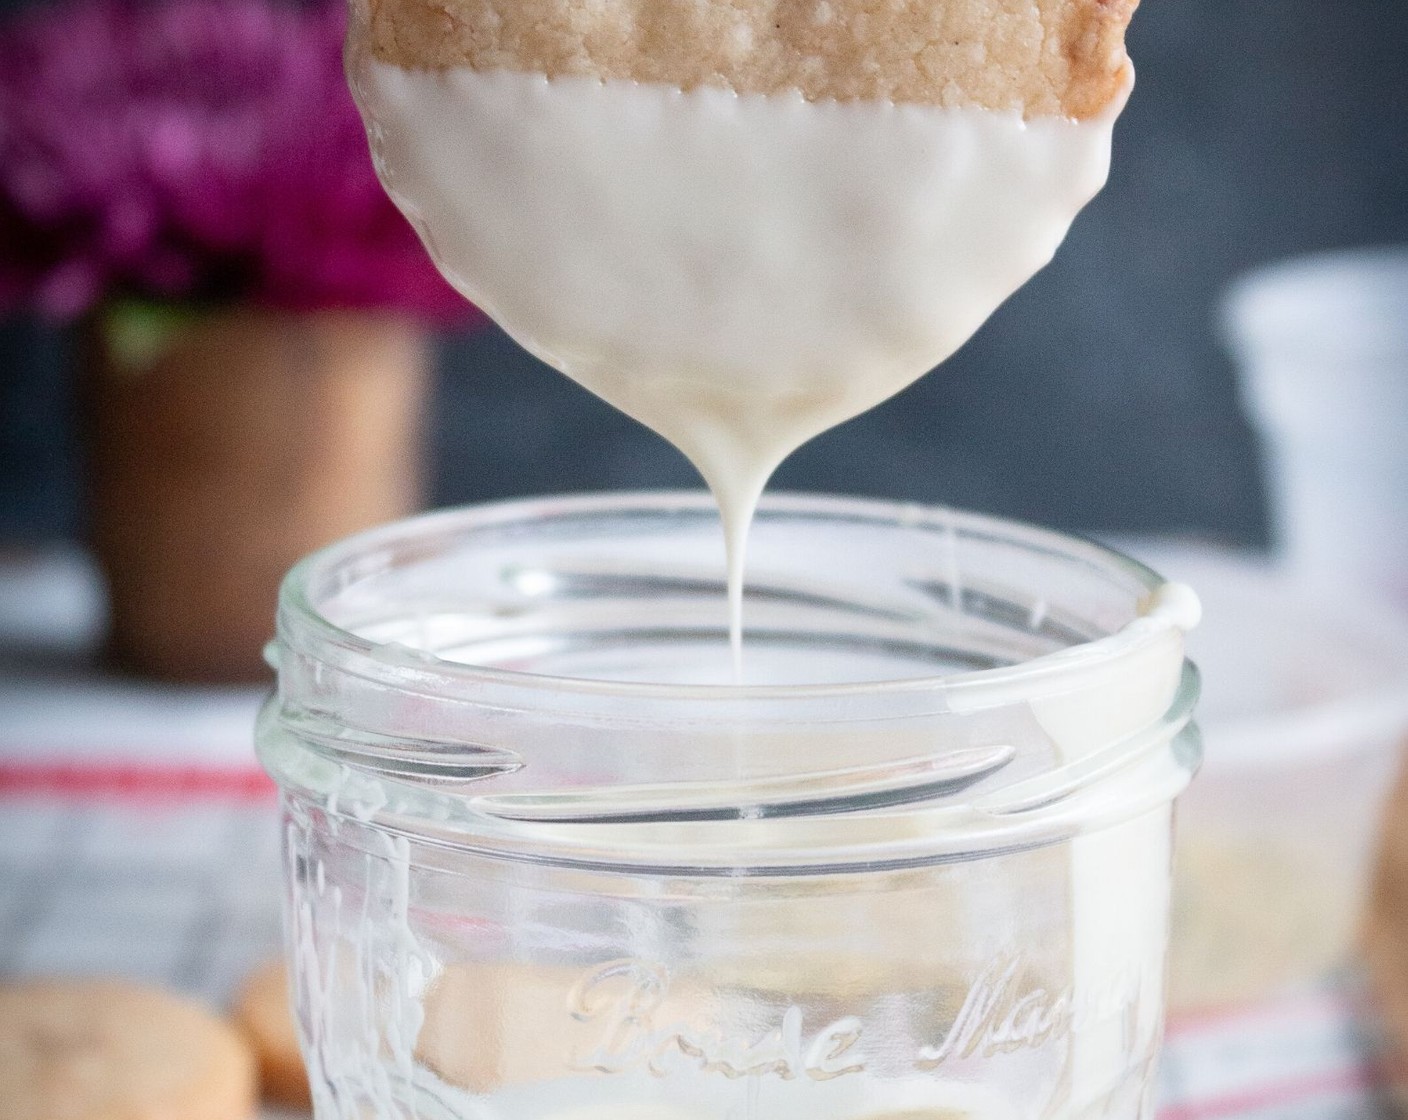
x: 1042, y: 57
x: 90, y: 1049
x: 262, y: 1011
x: 495, y: 1025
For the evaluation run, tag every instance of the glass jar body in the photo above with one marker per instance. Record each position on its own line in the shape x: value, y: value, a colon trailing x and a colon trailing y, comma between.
x: 442, y: 984
x: 893, y: 894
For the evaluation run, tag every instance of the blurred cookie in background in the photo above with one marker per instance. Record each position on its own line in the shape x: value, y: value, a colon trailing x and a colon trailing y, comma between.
x: 264, y: 1014
x: 102, y: 1049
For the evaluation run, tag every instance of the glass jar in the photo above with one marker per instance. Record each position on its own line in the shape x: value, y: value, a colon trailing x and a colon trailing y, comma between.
x: 546, y: 861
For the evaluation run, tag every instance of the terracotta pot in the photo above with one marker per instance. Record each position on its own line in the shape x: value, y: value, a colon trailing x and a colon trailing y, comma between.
x: 224, y: 446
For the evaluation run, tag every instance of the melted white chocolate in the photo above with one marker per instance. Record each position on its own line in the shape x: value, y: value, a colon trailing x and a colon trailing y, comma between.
x: 739, y: 273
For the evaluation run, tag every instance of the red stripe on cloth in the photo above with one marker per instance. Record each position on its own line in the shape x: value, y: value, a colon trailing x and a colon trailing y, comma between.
x: 134, y: 782
x: 1352, y: 1080
x: 1300, y: 1008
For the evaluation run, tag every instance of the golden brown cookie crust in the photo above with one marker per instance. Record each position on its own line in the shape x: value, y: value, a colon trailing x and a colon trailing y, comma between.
x: 1044, y: 57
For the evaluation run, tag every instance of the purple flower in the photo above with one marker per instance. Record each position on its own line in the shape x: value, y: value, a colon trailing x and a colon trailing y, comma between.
x: 203, y: 150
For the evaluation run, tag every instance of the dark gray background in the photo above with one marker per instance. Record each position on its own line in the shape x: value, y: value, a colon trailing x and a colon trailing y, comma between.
x: 1097, y: 399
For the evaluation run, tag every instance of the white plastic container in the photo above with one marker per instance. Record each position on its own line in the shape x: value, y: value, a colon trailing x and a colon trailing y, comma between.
x: 1323, y: 346
x: 1304, y: 717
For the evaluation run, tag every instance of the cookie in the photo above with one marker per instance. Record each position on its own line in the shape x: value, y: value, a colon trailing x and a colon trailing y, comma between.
x: 490, y: 1026
x: 94, y: 1049
x: 1043, y: 57
x: 264, y: 1014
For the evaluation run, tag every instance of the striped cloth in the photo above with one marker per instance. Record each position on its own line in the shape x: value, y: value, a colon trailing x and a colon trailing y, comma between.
x: 137, y: 837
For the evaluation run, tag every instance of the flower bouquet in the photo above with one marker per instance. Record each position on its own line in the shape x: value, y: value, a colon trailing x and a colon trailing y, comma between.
x: 190, y: 181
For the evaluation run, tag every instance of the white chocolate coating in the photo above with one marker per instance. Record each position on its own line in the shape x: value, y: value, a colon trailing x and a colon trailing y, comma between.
x: 739, y: 273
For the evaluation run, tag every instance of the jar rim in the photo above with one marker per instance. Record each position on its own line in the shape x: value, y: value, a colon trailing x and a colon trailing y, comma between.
x: 304, y: 628
x: 528, y: 765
